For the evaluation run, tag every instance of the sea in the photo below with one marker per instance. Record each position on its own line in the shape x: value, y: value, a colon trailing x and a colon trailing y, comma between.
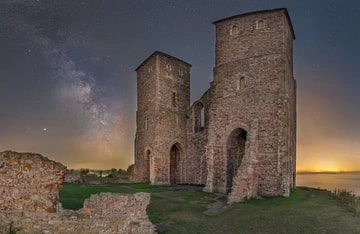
x: 349, y: 181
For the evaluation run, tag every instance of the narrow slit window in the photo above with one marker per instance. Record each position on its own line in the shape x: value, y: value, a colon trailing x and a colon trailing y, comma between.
x: 202, y: 117
x: 174, y: 99
x: 146, y: 123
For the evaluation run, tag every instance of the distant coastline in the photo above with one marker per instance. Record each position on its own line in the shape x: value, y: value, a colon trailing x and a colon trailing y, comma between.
x: 330, y: 180
x: 326, y: 172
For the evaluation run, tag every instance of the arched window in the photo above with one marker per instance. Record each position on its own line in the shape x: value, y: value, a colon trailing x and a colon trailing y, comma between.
x: 240, y: 83
x: 199, y: 117
x: 168, y: 67
x: 234, y: 30
x: 260, y: 24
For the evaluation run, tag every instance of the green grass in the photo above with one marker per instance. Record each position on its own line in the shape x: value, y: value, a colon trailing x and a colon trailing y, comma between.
x: 306, y: 211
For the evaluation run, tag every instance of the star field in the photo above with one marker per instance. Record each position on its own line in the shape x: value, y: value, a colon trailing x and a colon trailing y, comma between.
x: 68, y: 86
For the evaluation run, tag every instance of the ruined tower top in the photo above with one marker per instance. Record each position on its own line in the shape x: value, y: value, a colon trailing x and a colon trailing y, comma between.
x: 284, y: 10
x: 159, y: 53
x: 252, y: 34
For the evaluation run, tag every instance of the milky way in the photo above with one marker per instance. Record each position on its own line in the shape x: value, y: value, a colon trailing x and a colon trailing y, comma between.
x: 68, y: 67
x: 76, y: 90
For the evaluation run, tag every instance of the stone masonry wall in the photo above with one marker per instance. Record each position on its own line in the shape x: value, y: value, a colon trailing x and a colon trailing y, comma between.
x: 29, y: 185
x: 252, y: 97
x: 196, y: 141
x: 145, y: 119
x: 253, y: 80
x: 163, y: 100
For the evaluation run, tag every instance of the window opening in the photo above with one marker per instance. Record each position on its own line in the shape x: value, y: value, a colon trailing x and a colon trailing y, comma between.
x: 202, y: 117
x: 240, y: 83
x: 234, y: 30
x: 260, y: 24
x: 146, y: 123
x: 174, y: 99
x: 199, y: 117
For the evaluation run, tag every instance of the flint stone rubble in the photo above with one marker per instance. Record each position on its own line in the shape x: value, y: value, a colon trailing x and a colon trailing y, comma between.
x: 73, y: 176
x: 29, y: 202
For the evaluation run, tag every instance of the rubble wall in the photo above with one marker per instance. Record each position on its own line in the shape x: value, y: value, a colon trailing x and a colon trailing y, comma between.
x: 29, y: 202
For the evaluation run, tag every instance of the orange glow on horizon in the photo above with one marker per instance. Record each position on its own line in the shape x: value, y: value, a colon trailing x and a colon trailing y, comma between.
x: 331, y: 163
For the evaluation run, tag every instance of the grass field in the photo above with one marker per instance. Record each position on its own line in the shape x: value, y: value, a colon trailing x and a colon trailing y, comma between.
x: 176, y: 210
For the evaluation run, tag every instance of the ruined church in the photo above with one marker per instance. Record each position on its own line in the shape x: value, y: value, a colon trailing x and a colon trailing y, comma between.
x: 239, y: 138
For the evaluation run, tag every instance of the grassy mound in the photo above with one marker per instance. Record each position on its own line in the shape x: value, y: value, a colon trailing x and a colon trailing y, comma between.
x: 179, y: 210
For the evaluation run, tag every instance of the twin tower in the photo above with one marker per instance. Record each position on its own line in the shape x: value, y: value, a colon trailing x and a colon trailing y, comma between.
x: 239, y: 138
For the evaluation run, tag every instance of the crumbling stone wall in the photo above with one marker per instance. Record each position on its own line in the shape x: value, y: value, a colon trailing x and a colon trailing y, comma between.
x: 197, y: 138
x: 29, y: 185
x: 73, y: 176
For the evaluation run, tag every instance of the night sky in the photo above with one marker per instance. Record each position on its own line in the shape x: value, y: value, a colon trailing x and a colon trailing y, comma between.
x: 68, y: 85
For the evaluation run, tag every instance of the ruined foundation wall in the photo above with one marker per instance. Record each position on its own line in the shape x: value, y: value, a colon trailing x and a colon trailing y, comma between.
x: 29, y: 202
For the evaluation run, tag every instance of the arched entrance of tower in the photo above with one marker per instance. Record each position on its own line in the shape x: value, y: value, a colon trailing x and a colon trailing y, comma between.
x: 175, y: 164
x: 235, y: 153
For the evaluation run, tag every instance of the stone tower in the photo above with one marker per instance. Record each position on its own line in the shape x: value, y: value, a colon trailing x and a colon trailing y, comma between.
x: 163, y: 87
x: 251, y: 133
x: 239, y: 138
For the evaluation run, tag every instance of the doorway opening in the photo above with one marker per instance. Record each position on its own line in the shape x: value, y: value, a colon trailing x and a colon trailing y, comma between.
x: 235, y: 152
x: 174, y: 165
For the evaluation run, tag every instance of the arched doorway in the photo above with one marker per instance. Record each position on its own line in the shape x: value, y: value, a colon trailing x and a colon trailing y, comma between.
x: 235, y: 153
x: 147, y: 165
x: 174, y: 165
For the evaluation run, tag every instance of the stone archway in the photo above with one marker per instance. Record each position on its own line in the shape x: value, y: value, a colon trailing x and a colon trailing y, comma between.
x: 174, y: 165
x: 235, y: 153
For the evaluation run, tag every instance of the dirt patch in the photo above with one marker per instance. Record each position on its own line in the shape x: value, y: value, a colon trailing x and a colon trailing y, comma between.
x: 162, y: 227
x: 216, y: 208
